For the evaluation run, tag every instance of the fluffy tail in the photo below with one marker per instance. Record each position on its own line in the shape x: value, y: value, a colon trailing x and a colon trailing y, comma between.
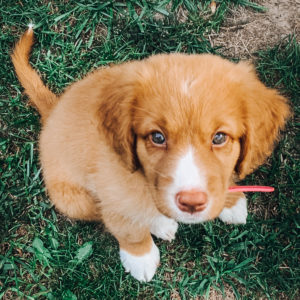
x: 40, y: 96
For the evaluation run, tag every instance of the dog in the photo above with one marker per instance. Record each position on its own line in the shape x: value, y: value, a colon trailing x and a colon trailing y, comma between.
x: 145, y: 144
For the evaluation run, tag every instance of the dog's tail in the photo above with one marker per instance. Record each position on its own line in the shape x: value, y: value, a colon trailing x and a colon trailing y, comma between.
x: 40, y: 96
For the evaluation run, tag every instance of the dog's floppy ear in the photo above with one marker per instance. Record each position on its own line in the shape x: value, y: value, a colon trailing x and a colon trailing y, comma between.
x: 265, y: 114
x: 118, y: 94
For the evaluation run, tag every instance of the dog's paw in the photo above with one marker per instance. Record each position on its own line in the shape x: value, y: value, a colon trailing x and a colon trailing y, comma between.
x: 236, y: 214
x: 164, y: 228
x: 142, y: 267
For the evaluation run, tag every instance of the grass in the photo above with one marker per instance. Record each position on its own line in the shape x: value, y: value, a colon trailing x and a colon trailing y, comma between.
x: 43, y: 255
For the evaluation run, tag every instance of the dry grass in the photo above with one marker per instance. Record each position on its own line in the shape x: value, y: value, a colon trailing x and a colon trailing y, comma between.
x: 246, y: 31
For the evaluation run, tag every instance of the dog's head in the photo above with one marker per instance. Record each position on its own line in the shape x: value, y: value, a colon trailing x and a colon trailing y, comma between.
x: 190, y: 123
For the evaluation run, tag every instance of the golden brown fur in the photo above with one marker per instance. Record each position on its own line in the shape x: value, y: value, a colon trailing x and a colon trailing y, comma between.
x: 98, y: 161
x: 40, y: 96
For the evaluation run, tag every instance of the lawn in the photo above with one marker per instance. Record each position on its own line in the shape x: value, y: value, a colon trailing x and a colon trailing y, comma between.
x: 43, y: 255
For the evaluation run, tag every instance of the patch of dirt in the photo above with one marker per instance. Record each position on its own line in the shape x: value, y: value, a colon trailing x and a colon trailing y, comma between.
x: 246, y: 31
x: 216, y: 295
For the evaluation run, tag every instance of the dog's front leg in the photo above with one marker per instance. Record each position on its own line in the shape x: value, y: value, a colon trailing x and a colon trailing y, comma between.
x: 139, y: 255
x: 235, y: 210
x: 163, y: 227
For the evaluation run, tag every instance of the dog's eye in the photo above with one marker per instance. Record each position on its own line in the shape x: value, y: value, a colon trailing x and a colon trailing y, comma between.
x: 219, y: 139
x: 157, y: 138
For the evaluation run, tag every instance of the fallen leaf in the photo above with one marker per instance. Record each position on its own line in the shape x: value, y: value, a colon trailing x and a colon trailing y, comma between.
x: 84, y: 251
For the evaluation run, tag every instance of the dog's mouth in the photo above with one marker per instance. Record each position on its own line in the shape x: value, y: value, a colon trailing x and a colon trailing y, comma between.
x: 193, y: 217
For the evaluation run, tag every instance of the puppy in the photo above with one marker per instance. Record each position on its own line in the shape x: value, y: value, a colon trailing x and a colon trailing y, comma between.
x: 146, y: 144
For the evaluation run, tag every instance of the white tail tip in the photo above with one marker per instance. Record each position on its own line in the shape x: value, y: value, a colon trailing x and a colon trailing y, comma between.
x: 30, y: 26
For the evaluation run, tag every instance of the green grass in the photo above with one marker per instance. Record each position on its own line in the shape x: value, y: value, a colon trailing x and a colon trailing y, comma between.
x: 43, y: 255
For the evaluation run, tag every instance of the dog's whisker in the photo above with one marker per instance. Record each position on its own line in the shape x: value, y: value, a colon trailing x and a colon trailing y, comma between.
x: 160, y: 173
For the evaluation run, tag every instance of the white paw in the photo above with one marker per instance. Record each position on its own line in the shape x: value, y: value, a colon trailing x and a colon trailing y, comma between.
x: 164, y: 228
x: 236, y: 214
x: 142, y: 267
